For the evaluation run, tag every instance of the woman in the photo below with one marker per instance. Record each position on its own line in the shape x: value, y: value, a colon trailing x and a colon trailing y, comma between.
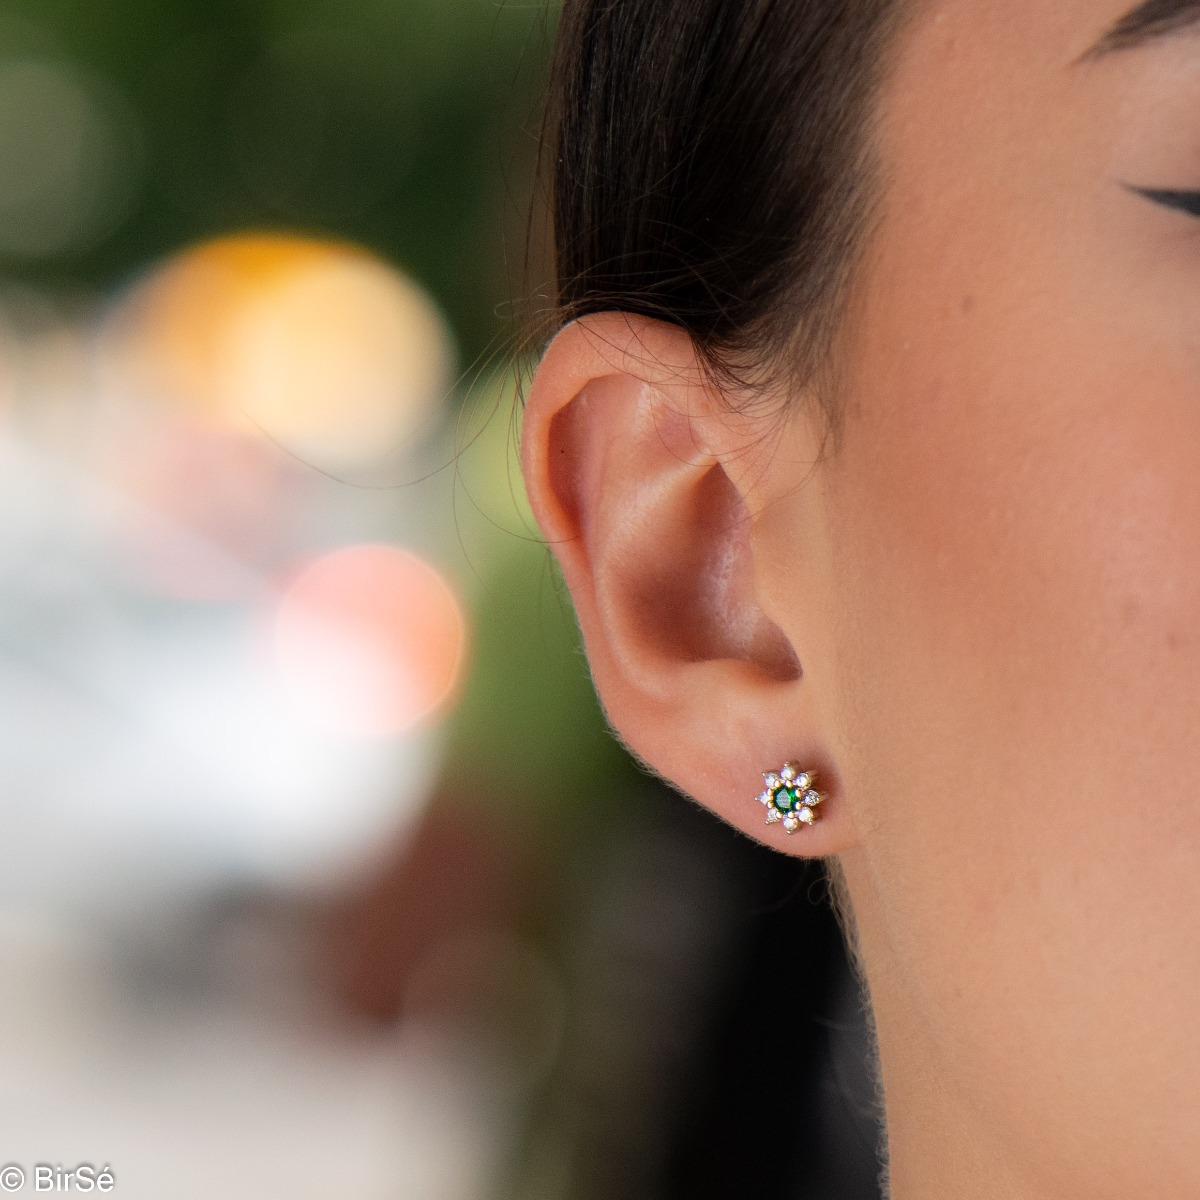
x: 871, y: 442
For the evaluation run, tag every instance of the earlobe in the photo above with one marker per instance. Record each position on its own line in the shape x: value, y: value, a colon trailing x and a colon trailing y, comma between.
x: 625, y: 449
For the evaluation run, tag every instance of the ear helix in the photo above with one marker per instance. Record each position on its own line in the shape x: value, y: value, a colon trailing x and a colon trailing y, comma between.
x: 790, y: 797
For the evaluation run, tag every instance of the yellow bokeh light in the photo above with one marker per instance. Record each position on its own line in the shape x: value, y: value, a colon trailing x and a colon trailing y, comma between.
x: 319, y: 345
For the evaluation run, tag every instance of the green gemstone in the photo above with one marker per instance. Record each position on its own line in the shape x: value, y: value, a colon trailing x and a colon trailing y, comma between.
x: 786, y: 798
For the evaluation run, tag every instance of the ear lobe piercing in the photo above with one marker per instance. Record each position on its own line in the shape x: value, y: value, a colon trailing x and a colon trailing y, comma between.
x: 790, y: 797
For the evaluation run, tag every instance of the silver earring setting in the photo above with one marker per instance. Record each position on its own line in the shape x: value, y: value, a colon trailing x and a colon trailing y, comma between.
x: 791, y: 797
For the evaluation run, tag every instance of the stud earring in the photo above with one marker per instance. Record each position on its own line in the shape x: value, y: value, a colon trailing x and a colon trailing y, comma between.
x: 790, y: 797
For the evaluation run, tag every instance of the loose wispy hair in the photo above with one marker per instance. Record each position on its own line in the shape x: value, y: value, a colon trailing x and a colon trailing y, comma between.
x: 712, y: 165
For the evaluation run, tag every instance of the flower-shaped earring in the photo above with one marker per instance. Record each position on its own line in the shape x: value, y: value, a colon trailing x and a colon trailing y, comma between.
x: 790, y: 797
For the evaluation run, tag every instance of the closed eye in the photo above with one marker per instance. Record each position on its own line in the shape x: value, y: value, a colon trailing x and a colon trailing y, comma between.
x: 1181, y: 201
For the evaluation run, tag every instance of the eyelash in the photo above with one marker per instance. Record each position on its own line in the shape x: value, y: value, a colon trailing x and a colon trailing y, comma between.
x: 1184, y: 202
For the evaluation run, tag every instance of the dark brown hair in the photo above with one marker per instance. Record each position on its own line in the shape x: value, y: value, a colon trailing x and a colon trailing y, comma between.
x: 712, y: 167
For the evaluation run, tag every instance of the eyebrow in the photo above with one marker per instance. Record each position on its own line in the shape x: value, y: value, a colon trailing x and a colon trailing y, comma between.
x: 1148, y: 22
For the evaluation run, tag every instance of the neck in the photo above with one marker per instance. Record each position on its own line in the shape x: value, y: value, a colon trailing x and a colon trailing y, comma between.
x: 938, y: 1148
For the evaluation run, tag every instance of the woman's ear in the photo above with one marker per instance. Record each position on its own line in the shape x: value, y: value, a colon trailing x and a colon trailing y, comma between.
x: 625, y: 449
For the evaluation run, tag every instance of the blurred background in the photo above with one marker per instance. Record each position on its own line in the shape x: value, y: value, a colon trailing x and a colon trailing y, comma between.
x: 322, y: 876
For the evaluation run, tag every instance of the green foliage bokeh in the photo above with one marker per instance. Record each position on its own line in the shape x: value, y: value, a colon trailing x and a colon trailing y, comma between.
x: 404, y: 125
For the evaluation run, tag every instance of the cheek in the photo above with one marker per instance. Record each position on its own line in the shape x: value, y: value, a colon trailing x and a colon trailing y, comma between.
x: 1016, y: 555
x: 1044, y: 554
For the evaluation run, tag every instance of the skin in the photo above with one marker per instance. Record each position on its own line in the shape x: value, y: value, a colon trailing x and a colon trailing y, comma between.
x: 978, y: 613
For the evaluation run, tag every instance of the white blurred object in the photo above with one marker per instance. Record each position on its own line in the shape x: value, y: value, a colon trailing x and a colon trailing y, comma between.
x: 150, y: 742
x: 160, y: 753
x: 238, y: 1097
x: 151, y: 748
